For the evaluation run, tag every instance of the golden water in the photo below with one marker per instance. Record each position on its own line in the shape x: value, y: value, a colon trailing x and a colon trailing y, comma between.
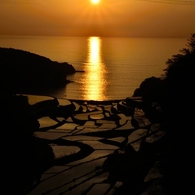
x: 113, y: 67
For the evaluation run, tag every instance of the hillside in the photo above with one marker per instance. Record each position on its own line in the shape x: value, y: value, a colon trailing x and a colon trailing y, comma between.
x: 21, y: 71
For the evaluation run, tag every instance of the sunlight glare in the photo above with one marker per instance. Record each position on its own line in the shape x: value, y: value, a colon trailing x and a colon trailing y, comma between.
x: 94, y: 50
x: 95, y: 71
x: 95, y: 1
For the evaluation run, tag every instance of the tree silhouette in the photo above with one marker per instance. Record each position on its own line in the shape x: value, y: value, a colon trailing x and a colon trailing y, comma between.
x: 173, y: 91
x: 173, y: 94
x: 179, y: 82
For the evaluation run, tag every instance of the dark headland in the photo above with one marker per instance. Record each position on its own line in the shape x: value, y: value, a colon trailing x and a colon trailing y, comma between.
x: 22, y: 71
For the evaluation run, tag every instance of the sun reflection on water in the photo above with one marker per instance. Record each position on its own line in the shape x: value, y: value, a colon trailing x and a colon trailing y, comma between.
x: 95, y: 84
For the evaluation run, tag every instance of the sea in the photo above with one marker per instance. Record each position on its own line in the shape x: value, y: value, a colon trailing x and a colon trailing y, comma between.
x: 107, y: 68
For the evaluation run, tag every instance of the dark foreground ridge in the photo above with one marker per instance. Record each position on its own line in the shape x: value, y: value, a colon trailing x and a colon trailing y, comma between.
x: 60, y: 146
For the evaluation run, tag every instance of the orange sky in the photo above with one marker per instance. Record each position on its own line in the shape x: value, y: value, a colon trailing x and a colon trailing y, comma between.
x: 134, y: 18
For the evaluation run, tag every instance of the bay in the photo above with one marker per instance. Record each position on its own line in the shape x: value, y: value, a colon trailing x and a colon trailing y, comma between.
x: 111, y: 68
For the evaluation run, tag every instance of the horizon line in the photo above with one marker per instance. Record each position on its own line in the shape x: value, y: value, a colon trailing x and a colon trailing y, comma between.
x: 93, y: 36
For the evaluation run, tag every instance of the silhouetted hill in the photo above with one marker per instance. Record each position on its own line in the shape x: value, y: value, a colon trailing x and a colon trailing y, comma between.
x: 21, y: 70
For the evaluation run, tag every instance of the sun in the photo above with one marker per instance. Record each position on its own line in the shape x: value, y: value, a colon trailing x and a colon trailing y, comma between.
x: 95, y: 1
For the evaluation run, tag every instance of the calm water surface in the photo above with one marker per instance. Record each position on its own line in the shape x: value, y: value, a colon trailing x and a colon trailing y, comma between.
x: 113, y: 67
